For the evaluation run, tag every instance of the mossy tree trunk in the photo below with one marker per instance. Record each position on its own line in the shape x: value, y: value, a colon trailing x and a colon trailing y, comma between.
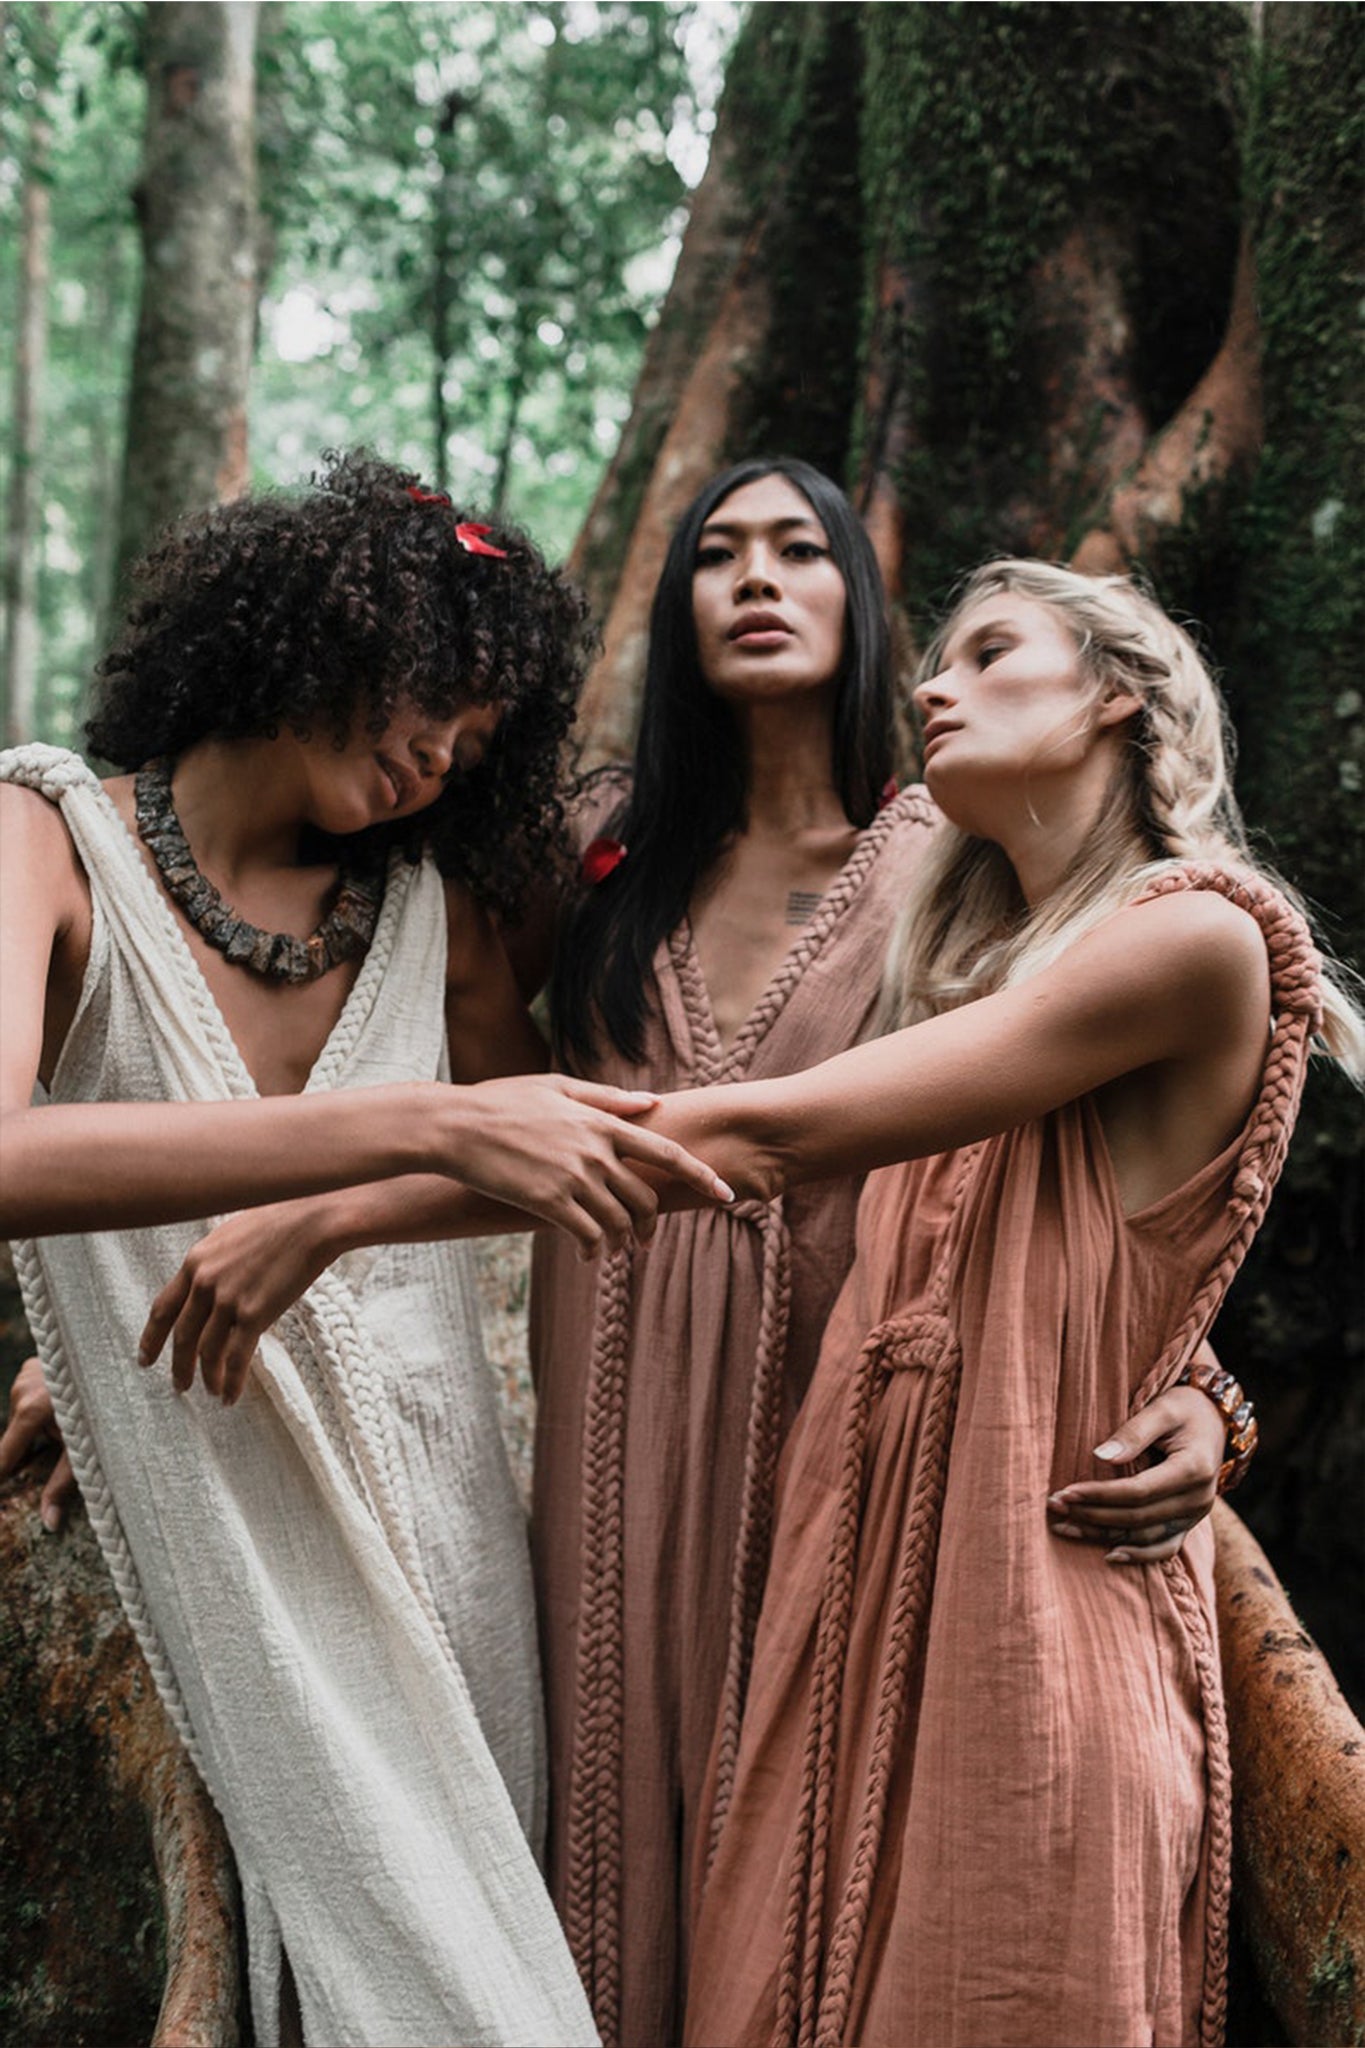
x: 1081, y: 282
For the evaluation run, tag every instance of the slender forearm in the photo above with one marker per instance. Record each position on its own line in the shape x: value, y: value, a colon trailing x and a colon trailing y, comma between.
x: 419, y: 1208
x: 99, y: 1166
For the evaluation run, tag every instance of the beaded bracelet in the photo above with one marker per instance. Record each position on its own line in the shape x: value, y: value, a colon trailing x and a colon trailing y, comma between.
x: 1236, y: 1411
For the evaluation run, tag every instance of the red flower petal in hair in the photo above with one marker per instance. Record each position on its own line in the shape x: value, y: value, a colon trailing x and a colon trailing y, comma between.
x: 421, y: 497
x: 890, y: 791
x: 470, y: 535
x: 600, y: 859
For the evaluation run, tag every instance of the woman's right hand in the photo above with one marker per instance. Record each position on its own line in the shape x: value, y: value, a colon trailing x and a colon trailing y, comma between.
x: 567, y: 1152
x: 230, y: 1287
x: 32, y: 1424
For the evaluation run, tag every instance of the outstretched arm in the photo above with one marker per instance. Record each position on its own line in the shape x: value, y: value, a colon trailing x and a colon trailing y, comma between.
x: 1176, y: 987
x: 561, y: 1149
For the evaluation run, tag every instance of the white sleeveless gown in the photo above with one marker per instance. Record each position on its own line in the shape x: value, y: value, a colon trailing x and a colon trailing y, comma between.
x: 330, y: 1581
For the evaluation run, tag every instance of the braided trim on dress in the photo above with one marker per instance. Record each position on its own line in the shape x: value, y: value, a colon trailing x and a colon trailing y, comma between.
x: 351, y: 1372
x: 912, y: 806
x: 99, y: 1504
x: 924, y: 1340
x: 592, y: 1911
x: 1296, y: 1002
x: 54, y: 772
x: 754, y: 1539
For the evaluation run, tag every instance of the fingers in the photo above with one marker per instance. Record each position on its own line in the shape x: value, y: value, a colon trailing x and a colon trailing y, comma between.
x: 1139, y: 1432
x: 668, y: 1156
x: 1161, y: 1488
x: 57, y: 1495
x: 190, y: 1325
x: 602, y: 1095
x: 31, y: 1419
x: 161, y: 1319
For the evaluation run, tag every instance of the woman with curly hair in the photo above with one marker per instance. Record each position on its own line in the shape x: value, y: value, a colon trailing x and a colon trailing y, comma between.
x: 249, y: 970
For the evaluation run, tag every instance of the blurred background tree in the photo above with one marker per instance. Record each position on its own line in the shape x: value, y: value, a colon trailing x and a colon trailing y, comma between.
x: 466, y: 219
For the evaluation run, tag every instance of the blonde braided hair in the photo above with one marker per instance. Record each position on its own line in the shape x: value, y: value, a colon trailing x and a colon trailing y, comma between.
x: 965, y: 928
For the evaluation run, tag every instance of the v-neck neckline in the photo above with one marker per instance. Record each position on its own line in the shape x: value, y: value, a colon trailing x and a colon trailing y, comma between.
x: 321, y: 1073
x: 715, y: 1060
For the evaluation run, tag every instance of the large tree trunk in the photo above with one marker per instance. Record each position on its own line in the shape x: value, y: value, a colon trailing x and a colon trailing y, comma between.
x: 728, y: 365
x: 23, y: 530
x: 187, y: 424
x: 1115, y: 318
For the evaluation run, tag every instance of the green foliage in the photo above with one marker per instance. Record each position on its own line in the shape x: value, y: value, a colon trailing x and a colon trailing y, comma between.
x: 486, y: 187
x: 96, y: 106
x: 493, y: 182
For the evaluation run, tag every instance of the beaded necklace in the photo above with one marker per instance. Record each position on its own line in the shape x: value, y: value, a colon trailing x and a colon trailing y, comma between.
x: 343, y: 934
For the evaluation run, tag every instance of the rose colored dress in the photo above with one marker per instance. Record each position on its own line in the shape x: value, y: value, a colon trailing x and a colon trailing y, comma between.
x: 664, y: 1384
x: 981, y: 1798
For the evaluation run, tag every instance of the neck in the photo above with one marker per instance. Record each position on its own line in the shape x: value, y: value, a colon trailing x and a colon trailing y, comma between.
x: 790, y: 767
x: 240, y: 804
x: 1052, y: 821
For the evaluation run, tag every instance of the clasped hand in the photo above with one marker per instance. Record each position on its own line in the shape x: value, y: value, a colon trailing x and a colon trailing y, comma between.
x: 552, y: 1147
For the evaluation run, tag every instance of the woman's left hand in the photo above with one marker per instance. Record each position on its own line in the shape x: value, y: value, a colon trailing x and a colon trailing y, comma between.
x: 1148, y: 1516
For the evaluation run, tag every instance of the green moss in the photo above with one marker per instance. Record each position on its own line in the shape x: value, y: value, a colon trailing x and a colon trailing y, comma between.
x: 802, y: 396
x: 989, y: 133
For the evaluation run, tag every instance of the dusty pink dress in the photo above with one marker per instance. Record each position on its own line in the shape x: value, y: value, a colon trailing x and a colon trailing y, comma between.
x: 981, y: 1797
x: 664, y: 1384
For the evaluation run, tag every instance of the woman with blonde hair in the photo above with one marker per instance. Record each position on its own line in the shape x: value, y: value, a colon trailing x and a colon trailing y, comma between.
x: 980, y: 1794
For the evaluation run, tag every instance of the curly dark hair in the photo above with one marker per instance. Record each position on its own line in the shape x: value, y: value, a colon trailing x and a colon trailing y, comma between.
x: 308, y: 609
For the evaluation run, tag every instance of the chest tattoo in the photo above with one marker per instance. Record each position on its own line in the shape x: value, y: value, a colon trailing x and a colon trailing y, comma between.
x: 802, y: 905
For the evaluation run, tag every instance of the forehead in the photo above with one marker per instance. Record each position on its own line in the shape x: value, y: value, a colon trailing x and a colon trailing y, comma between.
x: 1009, y: 611
x: 767, y: 501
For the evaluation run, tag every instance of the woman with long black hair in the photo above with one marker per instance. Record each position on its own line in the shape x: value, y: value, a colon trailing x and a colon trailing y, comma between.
x: 749, y: 873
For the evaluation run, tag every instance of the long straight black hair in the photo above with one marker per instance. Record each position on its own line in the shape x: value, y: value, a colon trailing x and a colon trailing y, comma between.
x: 689, y: 788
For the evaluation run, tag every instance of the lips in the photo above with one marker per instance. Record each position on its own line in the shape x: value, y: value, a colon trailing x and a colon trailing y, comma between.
x: 403, y: 785
x: 759, y: 626
x: 938, y: 729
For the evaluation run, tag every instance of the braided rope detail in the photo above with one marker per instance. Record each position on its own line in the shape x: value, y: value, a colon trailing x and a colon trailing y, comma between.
x: 593, y: 1890
x: 52, y: 771
x: 1218, y: 1803
x: 806, y: 2017
x: 912, y: 806
x: 99, y: 1503
x: 936, y: 1350
x: 754, y: 1538
x: 401, y: 878
x: 1296, y: 1005
x: 1296, y: 1000
x: 352, y: 1374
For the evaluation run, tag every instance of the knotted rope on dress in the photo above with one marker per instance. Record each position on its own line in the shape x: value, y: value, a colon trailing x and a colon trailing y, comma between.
x: 808, y: 2012
x: 1296, y: 1005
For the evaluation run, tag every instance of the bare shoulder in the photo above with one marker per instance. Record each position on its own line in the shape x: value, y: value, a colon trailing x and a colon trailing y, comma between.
x: 1207, y: 938
x: 1190, y: 966
x: 37, y: 856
